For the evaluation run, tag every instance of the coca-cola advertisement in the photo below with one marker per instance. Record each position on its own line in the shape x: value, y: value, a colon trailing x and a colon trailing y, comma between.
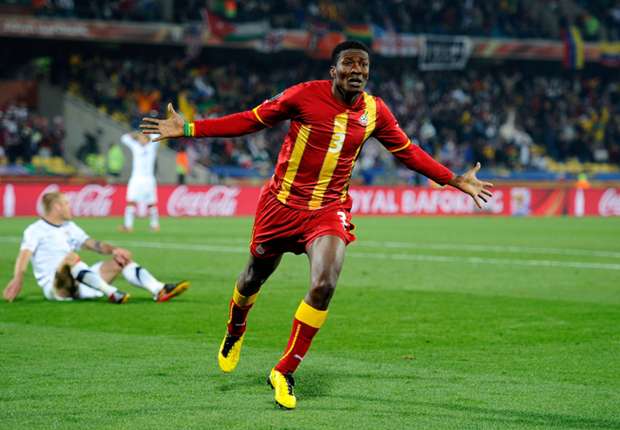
x: 209, y: 201
x: 95, y: 200
x: 594, y: 202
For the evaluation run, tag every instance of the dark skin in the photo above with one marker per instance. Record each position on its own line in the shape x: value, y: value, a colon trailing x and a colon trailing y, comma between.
x: 326, y: 253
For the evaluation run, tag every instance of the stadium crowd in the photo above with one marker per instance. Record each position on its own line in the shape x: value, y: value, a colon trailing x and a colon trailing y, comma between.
x: 506, y: 18
x: 500, y: 116
x: 31, y: 140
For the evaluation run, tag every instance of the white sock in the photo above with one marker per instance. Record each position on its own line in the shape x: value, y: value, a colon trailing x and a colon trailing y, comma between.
x: 140, y: 277
x: 130, y: 213
x: 154, y: 213
x: 82, y: 273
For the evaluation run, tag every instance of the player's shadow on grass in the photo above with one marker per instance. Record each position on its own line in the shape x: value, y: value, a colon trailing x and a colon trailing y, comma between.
x: 311, y: 383
x: 240, y: 383
x: 314, y: 382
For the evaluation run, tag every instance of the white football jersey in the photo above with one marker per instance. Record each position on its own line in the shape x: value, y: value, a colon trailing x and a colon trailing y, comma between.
x: 50, y: 244
x: 143, y: 164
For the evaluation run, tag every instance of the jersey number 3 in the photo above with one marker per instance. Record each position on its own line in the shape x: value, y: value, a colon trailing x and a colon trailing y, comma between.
x: 343, y: 219
x: 335, y: 146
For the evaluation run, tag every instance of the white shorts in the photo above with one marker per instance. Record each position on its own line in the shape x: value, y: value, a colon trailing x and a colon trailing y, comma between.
x: 84, y: 291
x: 142, y: 190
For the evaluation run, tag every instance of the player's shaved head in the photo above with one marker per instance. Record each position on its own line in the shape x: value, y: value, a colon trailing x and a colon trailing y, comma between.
x: 348, y: 44
x: 49, y: 199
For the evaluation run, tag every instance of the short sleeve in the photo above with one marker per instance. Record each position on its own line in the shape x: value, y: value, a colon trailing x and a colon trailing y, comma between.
x: 388, y: 132
x: 127, y: 140
x: 30, y: 240
x: 280, y: 107
x: 77, y: 236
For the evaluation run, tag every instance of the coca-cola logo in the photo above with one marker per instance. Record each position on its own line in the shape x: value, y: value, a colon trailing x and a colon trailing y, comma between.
x: 90, y: 200
x: 216, y: 201
x: 609, y: 204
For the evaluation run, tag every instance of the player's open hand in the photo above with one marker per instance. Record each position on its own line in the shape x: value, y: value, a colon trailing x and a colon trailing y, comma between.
x: 166, y: 128
x: 470, y: 184
x: 12, y: 290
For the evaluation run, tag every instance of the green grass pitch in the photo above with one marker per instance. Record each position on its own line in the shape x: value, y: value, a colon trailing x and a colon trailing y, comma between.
x: 499, y: 323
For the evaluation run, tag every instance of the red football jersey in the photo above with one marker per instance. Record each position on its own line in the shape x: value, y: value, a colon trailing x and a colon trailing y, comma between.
x: 325, y: 137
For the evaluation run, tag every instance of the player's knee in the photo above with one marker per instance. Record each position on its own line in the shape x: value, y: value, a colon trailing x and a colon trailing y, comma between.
x: 71, y: 259
x: 322, y: 290
x: 248, y: 282
x: 113, y: 266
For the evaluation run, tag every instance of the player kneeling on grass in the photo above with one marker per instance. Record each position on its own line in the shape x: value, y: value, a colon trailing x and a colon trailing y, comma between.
x: 59, y: 271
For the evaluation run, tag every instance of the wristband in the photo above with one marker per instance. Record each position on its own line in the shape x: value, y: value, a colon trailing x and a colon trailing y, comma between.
x: 188, y: 129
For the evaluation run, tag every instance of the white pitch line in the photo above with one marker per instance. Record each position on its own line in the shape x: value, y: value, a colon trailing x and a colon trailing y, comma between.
x: 375, y: 256
x: 492, y: 248
x: 493, y: 261
x: 510, y: 249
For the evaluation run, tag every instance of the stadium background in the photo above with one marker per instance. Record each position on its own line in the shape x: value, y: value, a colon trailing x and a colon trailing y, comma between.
x: 530, y: 91
x: 519, y: 332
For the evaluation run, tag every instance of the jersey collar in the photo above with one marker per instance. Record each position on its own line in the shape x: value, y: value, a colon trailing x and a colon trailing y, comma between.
x: 52, y: 224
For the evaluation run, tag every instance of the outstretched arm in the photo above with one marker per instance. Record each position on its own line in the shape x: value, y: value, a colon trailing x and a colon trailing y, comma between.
x: 470, y: 184
x: 14, y: 287
x: 418, y: 160
x: 121, y: 255
x: 237, y: 124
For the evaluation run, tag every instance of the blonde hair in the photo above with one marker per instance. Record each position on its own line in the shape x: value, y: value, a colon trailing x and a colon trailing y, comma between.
x: 49, y: 199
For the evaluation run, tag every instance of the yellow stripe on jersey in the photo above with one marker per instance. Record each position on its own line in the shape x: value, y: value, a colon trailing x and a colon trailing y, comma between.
x: 371, y: 118
x: 331, y: 160
x: 293, y: 162
x: 255, y: 111
x: 400, y: 148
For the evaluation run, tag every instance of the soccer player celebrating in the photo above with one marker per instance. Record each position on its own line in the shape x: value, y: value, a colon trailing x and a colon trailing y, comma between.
x: 52, y: 243
x: 306, y: 206
x: 142, y: 186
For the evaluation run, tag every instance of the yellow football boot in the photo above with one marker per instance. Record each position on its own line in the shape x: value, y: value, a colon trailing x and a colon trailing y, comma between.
x: 230, y: 350
x: 283, y: 386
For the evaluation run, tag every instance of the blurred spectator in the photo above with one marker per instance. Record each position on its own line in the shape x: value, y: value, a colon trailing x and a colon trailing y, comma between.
x: 500, y: 116
x: 90, y: 154
x: 24, y: 135
x: 182, y: 164
x: 504, y: 18
x: 115, y: 160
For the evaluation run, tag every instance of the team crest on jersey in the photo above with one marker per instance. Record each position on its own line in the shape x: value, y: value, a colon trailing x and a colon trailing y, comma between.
x: 364, y: 119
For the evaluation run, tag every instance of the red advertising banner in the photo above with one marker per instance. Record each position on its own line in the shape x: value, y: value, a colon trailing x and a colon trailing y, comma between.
x: 594, y: 202
x: 95, y: 200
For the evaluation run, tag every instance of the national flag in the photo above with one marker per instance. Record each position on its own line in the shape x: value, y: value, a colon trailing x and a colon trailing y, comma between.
x: 234, y: 32
x: 360, y: 32
x: 610, y: 54
x: 574, y: 48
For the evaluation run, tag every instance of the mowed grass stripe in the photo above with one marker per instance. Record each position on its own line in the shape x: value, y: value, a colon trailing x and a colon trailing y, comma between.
x: 361, y: 243
x: 380, y: 256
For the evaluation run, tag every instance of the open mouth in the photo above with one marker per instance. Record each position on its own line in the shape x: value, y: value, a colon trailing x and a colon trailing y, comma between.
x: 355, y: 82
